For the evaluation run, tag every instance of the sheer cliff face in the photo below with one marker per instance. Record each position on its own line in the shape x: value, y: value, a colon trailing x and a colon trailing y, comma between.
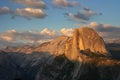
x: 89, y: 39
x: 85, y: 39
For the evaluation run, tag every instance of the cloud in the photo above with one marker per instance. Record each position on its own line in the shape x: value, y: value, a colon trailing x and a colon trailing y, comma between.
x: 86, y: 9
x: 4, y: 44
x: 5, y: 10
x: 27, y: 13
x: 33, y: 36
x: 104, y: 27
x: 67, y: 32
x: 107, y: 31
x: 30, y: 12
x: 77, y: 17
x: 32, y: 3
x: 18, y: 38
x: 27, y: 36
x: 7, y: 36
x: 48, y: 32
x: 82, y: 16
x: 65, y: 3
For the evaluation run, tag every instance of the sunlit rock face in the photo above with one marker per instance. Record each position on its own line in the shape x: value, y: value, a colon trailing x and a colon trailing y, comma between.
x: 85, y: 39
x: 57, y: 46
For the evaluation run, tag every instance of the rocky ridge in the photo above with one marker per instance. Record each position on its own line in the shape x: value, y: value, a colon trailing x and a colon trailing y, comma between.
x: 56, y: 47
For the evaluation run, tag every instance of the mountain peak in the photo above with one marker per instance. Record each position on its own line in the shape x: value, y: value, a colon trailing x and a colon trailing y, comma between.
x: 85, y: 39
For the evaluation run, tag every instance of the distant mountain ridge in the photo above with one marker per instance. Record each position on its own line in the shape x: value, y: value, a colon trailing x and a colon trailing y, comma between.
x: 56, y: 46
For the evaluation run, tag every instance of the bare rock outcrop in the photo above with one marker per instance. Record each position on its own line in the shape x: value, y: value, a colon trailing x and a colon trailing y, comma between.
x: 85, y: 39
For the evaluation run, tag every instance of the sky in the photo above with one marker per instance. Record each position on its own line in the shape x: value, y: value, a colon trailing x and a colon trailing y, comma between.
x: 30, y: 22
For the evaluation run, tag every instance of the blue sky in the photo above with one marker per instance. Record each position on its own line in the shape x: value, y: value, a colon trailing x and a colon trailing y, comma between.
x: 56, y: 15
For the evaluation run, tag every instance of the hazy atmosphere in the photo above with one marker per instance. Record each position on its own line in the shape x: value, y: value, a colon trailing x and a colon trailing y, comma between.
x: 31, y: 22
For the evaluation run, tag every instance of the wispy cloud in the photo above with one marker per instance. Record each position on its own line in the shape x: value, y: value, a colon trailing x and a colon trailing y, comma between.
x: 107, y: 31
x: 5, y: 10
x: 30, y: 12
x: 27, y: 13
x: 104, y: 27
x: 33, y: 9
x: 7, y: 36
x: 82, y: 16
x: 13, y: 37
x: 31, y: 3
x: 65, y: 3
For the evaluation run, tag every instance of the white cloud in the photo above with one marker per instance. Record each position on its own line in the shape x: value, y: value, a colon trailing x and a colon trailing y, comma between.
x: 46, y: 31
x: 27, y: 36
x: 65, y: 3
x: 30, y: 12
x: 7, y: 36
x: 13, y: 37
x: 94, y: 25
x: 31, y: 3
x: 27, y: 13
x: 67, y: 32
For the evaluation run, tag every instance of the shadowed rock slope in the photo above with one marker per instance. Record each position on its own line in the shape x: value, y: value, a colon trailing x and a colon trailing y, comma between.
x: 94, y: 68
x: 42, y: 66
